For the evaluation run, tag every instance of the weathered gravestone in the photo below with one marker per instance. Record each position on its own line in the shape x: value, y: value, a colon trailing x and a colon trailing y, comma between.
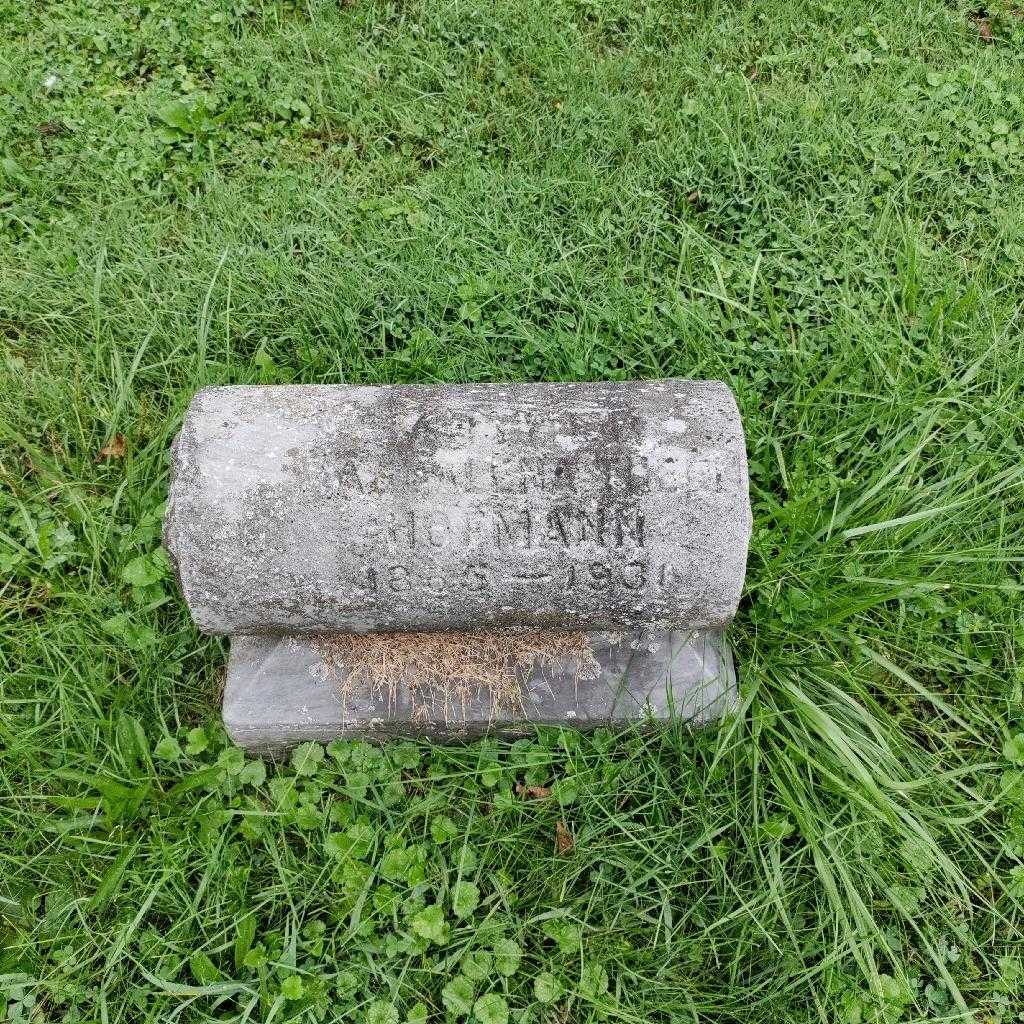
x: 615, y: 511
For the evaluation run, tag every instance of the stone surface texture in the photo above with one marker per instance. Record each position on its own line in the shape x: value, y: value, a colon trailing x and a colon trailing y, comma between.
x: 278, y: 694
x: 600, y: 506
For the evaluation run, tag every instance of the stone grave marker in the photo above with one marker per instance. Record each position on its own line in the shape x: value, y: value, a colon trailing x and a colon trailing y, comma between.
x: 360, y: 545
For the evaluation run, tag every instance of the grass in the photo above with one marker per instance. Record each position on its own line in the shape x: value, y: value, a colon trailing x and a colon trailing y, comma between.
x: 817, y: 202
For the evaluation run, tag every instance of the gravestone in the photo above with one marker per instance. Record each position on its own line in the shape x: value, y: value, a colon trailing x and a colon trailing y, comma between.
x: 617, y: 510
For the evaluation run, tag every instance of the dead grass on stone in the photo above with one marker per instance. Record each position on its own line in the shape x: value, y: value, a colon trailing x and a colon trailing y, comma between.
x: 447, y: 671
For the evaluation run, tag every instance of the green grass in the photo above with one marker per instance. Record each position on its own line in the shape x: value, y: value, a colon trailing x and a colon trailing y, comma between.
x: 817, y: 202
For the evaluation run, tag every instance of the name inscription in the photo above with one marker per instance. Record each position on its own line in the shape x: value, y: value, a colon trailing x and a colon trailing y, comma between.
x: 564, y: 526
x: 627, y: 475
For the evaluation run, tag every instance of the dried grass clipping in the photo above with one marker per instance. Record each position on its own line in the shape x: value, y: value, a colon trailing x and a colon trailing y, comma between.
x: 451, y: 669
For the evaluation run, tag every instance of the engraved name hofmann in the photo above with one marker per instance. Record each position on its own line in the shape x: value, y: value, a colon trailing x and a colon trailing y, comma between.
x: 522, y: 527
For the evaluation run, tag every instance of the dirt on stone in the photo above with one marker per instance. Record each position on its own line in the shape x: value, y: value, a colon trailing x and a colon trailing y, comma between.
x: 450, y: 669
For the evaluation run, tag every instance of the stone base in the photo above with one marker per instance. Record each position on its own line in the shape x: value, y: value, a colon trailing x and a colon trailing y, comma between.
x: 277, y: 694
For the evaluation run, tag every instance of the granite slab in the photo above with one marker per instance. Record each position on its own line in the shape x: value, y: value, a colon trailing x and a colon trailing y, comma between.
x: 278, y: 693
x: 576, y: 506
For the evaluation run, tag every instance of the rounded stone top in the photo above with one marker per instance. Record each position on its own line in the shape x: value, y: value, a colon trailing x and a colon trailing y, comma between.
x: 318, y: 508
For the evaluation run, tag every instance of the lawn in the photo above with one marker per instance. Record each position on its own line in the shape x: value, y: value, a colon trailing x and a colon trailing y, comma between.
x: 818, y: 202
